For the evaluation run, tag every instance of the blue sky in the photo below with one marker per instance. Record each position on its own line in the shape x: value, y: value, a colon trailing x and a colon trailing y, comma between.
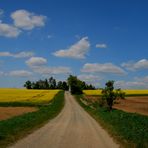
x: 97, y: 40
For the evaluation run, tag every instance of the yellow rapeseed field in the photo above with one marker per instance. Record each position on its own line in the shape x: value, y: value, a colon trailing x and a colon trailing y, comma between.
x: 128, y: 92
x: 92, y: 92
x: 27, y: 96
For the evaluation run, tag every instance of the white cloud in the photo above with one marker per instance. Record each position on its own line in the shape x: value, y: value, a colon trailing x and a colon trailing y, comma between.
x: 7, y: 30
x: 90, y: 78
x: 20, y: 73
x: 101, y: 46
x: 131, y: 85
x: 36, y: 61
x: 27, y: 20
x: 16, y: 55
x: 141, y: 64
x: 77, y: 50
x: 38, y: 65
x: 51, y: 70
x: 23, y: 54
x: 142, y: 79
x: 102, y: 68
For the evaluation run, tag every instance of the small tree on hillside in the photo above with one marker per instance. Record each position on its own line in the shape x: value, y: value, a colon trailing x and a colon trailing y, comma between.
x: 109, y: 94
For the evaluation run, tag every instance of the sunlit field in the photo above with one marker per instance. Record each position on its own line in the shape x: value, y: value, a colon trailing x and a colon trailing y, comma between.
x: 128, y: 92
x: 27, y: 96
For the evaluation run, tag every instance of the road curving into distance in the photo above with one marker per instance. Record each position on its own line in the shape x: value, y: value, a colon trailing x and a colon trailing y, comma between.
x: 72, y: 128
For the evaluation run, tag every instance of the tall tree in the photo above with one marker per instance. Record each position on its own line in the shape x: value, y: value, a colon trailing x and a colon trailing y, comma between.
x: 109, y: 94
x: 75, y: 85
x: 64, y: 85
x: 52, y: 83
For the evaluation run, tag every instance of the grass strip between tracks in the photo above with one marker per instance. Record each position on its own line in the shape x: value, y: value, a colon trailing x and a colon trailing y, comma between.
x: 17, y: 127
x: 129, y: 129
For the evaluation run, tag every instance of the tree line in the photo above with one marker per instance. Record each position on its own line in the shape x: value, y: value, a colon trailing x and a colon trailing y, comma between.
x: 50, y: 83
x: 75, y: 85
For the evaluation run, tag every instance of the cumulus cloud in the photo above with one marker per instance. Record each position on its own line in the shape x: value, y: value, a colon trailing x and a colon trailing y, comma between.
x: 51, y: 70
x: 20, y: 73
x: 27, y: 20
x: 77, y: 50
x: 142, y: 79
x: 101, y: 46
x: 16, y: 55
x: 131, y: 85
x: 7, y: 30
x: 102, y: 68
x: 141, y: 64
x: 38, y: 65
x: 36, y: 61
x: 90, y: 78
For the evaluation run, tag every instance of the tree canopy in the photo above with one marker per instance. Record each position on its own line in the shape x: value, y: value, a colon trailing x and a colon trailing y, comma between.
x: 109, y: 94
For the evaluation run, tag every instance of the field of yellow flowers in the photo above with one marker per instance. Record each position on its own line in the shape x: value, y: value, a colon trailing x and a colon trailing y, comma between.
x: 127, y: 92
x: 27, y: 96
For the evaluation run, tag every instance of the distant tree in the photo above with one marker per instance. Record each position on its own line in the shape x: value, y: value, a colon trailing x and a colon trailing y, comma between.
x: 52, y: 83
x: 75, y: 85
x: 60, y: 85
x: 28, y: 84
x: 109, y: 94
x: 91, y: 87
x: 64, y: 85
x: 46, y: 84
x: 34, y: 85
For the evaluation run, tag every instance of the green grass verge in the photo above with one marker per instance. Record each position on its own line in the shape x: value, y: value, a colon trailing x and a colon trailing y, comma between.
x: 15, y: 128
x: 20, y: 104
x: 130, y: 129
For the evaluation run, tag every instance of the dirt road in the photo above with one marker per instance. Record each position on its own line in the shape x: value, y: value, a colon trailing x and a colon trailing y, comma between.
x: 72, y: 128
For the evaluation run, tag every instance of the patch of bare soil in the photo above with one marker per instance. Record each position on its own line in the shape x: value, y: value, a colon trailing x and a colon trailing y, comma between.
x: 9, y: 112
x: 92, y: 98
x: 134, y: 105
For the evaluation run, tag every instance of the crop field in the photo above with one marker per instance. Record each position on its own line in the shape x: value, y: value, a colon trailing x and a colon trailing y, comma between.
x: 27, y: 96
x: 14, y: 102
x: 127, y: 92
x: 136, y: 101
x: 92, y: 92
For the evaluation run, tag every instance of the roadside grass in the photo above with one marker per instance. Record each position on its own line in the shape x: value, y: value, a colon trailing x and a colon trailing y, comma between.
x: 129, y: 129
x: 17, y: 127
